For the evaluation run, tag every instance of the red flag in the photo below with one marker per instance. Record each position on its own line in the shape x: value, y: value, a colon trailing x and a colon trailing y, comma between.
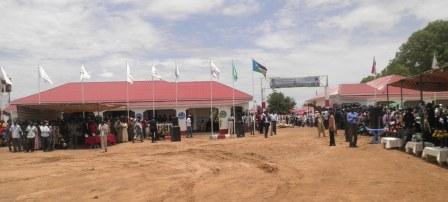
x: 373, y: 67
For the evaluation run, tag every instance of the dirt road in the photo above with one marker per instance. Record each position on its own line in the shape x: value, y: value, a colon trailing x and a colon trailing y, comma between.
x: 292, y: 166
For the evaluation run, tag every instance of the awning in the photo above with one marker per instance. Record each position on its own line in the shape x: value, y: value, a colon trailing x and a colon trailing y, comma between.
x: 432, y: 80
x: 69, y: 108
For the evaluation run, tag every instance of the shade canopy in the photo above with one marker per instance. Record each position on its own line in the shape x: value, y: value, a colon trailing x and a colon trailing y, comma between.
x: 432, y: 80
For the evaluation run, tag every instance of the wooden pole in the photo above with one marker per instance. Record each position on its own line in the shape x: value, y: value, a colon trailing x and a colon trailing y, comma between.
x: 401, y: 94
x: 421, y: 88
x: 387, y: 94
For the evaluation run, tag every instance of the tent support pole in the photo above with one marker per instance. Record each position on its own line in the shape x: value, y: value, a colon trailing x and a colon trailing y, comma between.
x: 387, y: 94
x: 401, y: 94
x: 421, y: 88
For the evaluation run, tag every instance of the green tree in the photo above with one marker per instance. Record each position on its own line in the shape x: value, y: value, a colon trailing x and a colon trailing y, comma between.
x: 415, y: 55
x: 278, y: 103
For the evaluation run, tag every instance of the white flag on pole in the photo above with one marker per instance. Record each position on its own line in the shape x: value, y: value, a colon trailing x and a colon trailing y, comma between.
x: 84, y: 74
x: 5, y: 77
x: 129, y: 77
x: 177, y: 72
x: 214, y: 70
x: 155, y: 73
x: 435, y: 65
x: 43, y: 75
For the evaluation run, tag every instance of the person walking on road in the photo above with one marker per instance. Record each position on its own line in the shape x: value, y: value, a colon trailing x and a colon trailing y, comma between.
x: 104, y: 130
x: 332, y: 128
x: 274, y: 123
x: 31, y: 134
x: 45, y: 136
x: 16, y: 134
x: 266, y: 122
x: 352, y: 120
x: 320, y: 125
x: 189, y: 127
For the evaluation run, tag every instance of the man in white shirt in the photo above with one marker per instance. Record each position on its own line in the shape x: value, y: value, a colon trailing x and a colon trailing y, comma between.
x: 45, y: 136
x: 267, y: 121
x: 274, y: 123
x: 189, y: 127
x: 31, y: 130
x: 104, y: 131
x: 16, y: 133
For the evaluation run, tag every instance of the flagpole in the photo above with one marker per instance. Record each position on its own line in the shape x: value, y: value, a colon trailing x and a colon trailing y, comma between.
x: 82, y: 91
x: 261, y: 88
x: 38, y: 81
x: 253, y: 97
x: 127, y: 88
x: 233, y: 96
x: 211, y: 99
x: 127, y: 98
x: 175, y: 72
x: 153, y: 106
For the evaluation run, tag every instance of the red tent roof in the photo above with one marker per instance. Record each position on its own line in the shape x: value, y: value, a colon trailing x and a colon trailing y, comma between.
x: 362, y: 90
x: 139, y: 91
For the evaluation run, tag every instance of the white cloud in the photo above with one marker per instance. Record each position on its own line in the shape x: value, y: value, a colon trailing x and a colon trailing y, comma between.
x: 106, y: 74
x: 181, y: 9
x: 372, y: 17
x: 72, y: 30
x: 380, y: 15
x: 431, y: 10
x: 278, y: 40
x: 247, y: 7
x: 320, y: 3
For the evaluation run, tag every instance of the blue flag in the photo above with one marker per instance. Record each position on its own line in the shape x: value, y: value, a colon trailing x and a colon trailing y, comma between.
x: 257, y: 67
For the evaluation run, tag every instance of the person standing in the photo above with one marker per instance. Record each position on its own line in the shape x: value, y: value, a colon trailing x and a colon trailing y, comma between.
x: 189, y: 127
x: 138, y: 131
x: 16, y: 133
x: 332, y: 128
x: 6, y: 134
x: 31, y: 131
x: 37, y: 140
x: 123, y: 131
x: 252, y: 124
x: 352, y: 120
x: 153, y: 129
x: 320, y: 125
x: 104, y: 130
x: 274, y: 123
x: 261, y: 122
x: 45, y: 136
x: 131, y: 125
x: 266, y: 122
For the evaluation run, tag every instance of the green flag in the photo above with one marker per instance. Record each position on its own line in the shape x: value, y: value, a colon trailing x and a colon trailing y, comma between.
x: 234, y: 72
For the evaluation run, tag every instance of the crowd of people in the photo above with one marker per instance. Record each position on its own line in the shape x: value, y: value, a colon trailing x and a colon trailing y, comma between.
x: 73, y: 133
x: 420, y: 122
x: 423, y: 122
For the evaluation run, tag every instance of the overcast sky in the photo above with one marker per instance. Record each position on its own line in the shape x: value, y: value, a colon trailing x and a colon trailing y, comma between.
x: 293, y: 38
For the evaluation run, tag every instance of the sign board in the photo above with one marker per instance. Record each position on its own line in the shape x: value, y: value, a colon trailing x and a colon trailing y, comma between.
x: 181, y: 115
x: 309, y: 81
x: 223, y: 114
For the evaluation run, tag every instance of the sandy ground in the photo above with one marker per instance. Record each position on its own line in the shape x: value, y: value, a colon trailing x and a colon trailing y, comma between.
x: 295, y: 165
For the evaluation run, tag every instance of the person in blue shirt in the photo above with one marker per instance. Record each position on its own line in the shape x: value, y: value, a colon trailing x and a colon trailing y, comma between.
x: 352, y: 121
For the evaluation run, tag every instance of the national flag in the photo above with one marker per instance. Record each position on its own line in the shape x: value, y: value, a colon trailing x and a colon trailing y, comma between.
x: 257, y: 67
x: 84, y: 74
x: 234, y: 72
x: 177, y: 72
x: 43, y: 75
x: 155, y: 72
x: 373, y: 71
x: 5, y: 77
x: 214, y: 70
x: 435, y: 65
x: 129, y: 77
